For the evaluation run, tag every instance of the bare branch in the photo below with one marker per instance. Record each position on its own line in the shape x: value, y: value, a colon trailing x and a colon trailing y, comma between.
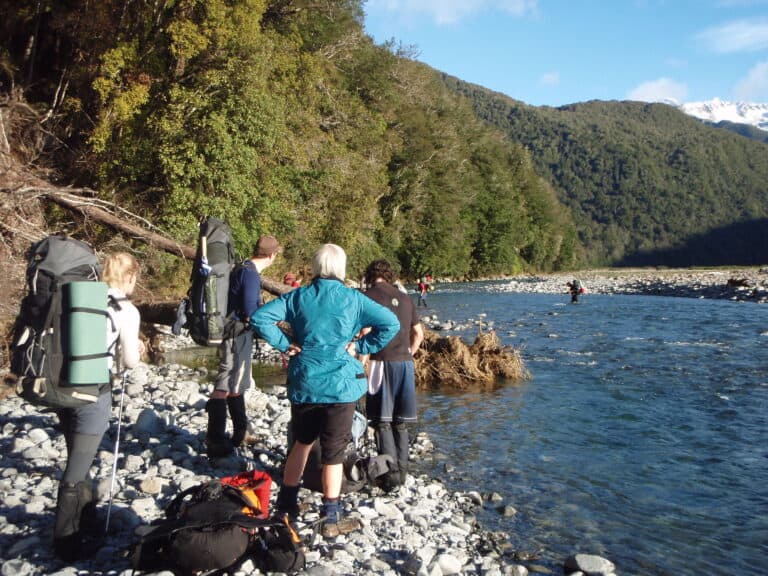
x: 94, y: 208
x: 18, y: 232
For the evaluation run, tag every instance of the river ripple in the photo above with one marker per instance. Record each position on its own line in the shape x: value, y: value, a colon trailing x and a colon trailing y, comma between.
x: 642, y: 435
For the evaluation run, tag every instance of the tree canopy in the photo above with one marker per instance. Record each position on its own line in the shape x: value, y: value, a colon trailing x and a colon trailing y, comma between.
x: 281, y: 117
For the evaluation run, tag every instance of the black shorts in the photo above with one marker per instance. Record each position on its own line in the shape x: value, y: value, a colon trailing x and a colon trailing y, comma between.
x: 331, y: 423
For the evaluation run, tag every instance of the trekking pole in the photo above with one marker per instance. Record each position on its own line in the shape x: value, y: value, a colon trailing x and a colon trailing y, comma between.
x: 115, y: 455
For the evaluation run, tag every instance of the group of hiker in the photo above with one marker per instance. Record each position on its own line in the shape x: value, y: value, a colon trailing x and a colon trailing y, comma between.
x: 327, y: 331
x: 342, y: 345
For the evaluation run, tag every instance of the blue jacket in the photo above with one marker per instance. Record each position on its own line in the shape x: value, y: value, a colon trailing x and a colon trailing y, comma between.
x: 324, y: 316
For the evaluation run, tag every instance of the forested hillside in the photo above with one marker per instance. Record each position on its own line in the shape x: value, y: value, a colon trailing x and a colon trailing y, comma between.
x: 282, y: 117
x: 743, y: 129
x: 646, y: 184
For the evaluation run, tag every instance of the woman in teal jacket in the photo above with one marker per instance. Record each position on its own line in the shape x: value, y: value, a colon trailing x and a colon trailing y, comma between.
x: 325, y: 378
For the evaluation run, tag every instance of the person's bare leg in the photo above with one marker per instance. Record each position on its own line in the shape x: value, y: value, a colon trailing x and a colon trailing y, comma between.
x: 332, y: 476
x: 297, y: 460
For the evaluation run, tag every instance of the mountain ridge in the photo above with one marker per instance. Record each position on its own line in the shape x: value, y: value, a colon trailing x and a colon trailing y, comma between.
x: 717, y: 110
x: 643, y: 181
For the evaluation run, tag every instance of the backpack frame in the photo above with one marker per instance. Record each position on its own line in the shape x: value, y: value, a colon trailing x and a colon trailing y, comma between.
x: 209, y: 290
x: 54, y: 361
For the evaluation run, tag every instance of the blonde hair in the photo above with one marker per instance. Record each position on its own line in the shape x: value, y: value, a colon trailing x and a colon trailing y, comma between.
x: 119, y: 267
x: 330, y: 261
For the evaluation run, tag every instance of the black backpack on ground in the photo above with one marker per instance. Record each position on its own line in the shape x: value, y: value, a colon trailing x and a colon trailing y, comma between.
x: 359, y: 471
x: 207, y: 309
x: 215, y: 526
x: 60, y: 352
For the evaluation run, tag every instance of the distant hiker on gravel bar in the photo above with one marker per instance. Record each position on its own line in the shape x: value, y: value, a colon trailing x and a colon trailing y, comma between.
x: 76, y: 535
x: 325, y: 378
x: 391, y: 400
x: 236, y: 351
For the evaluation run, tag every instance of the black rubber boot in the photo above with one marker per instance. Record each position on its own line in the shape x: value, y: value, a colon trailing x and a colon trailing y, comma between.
x: 402, y: 444
x: 216, y: 441
x: 69, y: 542
x: 236, y: 405
x: 385, y: 440
x: 386, y: 444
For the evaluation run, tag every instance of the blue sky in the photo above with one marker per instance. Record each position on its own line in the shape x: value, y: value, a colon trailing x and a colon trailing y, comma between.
x: 555, y: 52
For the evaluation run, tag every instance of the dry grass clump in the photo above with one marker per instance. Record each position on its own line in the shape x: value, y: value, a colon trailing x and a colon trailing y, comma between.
x: 447, y: 362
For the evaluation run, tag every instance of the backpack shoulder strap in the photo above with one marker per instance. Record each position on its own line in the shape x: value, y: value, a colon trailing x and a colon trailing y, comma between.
x: 113, y: 305
x: 174, y: 507
x: 114, y: 301
x: 243, y: 265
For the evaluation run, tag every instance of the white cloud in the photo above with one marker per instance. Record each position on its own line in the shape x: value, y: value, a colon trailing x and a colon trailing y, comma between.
x: 550, y: 78
x: 450, y: 11
x: 737, y: 36
x: 660, y: 90
x: 754, y: 87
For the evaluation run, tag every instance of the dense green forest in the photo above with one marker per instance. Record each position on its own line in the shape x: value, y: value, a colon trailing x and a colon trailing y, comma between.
x: 282, y: 117
x: 744, y: 129
x: 645, y: 183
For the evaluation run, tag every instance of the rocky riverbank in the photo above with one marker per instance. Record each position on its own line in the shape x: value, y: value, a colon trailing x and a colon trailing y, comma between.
x: 738, y: 284
x: 424, y: 528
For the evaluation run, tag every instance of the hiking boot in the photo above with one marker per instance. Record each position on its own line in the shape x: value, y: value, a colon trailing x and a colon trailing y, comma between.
x: 342, y: 526
x: 219, y: 447
x: 77, y: 546
x: 70, y: 540
x: 92, y: 521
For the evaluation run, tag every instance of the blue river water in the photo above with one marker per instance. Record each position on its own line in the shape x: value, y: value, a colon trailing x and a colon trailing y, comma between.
x: 642, y: 435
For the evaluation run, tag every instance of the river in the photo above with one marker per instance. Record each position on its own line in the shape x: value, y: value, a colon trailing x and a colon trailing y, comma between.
x: 642, y: 435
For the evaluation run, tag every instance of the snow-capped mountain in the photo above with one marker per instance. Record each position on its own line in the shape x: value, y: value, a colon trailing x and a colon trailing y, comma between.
x: 717, y: 110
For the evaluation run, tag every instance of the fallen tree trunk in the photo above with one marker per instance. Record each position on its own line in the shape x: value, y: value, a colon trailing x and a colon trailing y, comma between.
x: 136, y: 227
x: 104, y: 217
x: 165, y: 312
x: 104, y: 213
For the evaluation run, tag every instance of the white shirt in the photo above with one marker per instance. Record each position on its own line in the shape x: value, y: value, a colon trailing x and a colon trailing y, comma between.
x: 126, y: 322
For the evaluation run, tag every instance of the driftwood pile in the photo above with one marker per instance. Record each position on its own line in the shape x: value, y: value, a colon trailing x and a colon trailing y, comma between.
x: 448, y: 362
